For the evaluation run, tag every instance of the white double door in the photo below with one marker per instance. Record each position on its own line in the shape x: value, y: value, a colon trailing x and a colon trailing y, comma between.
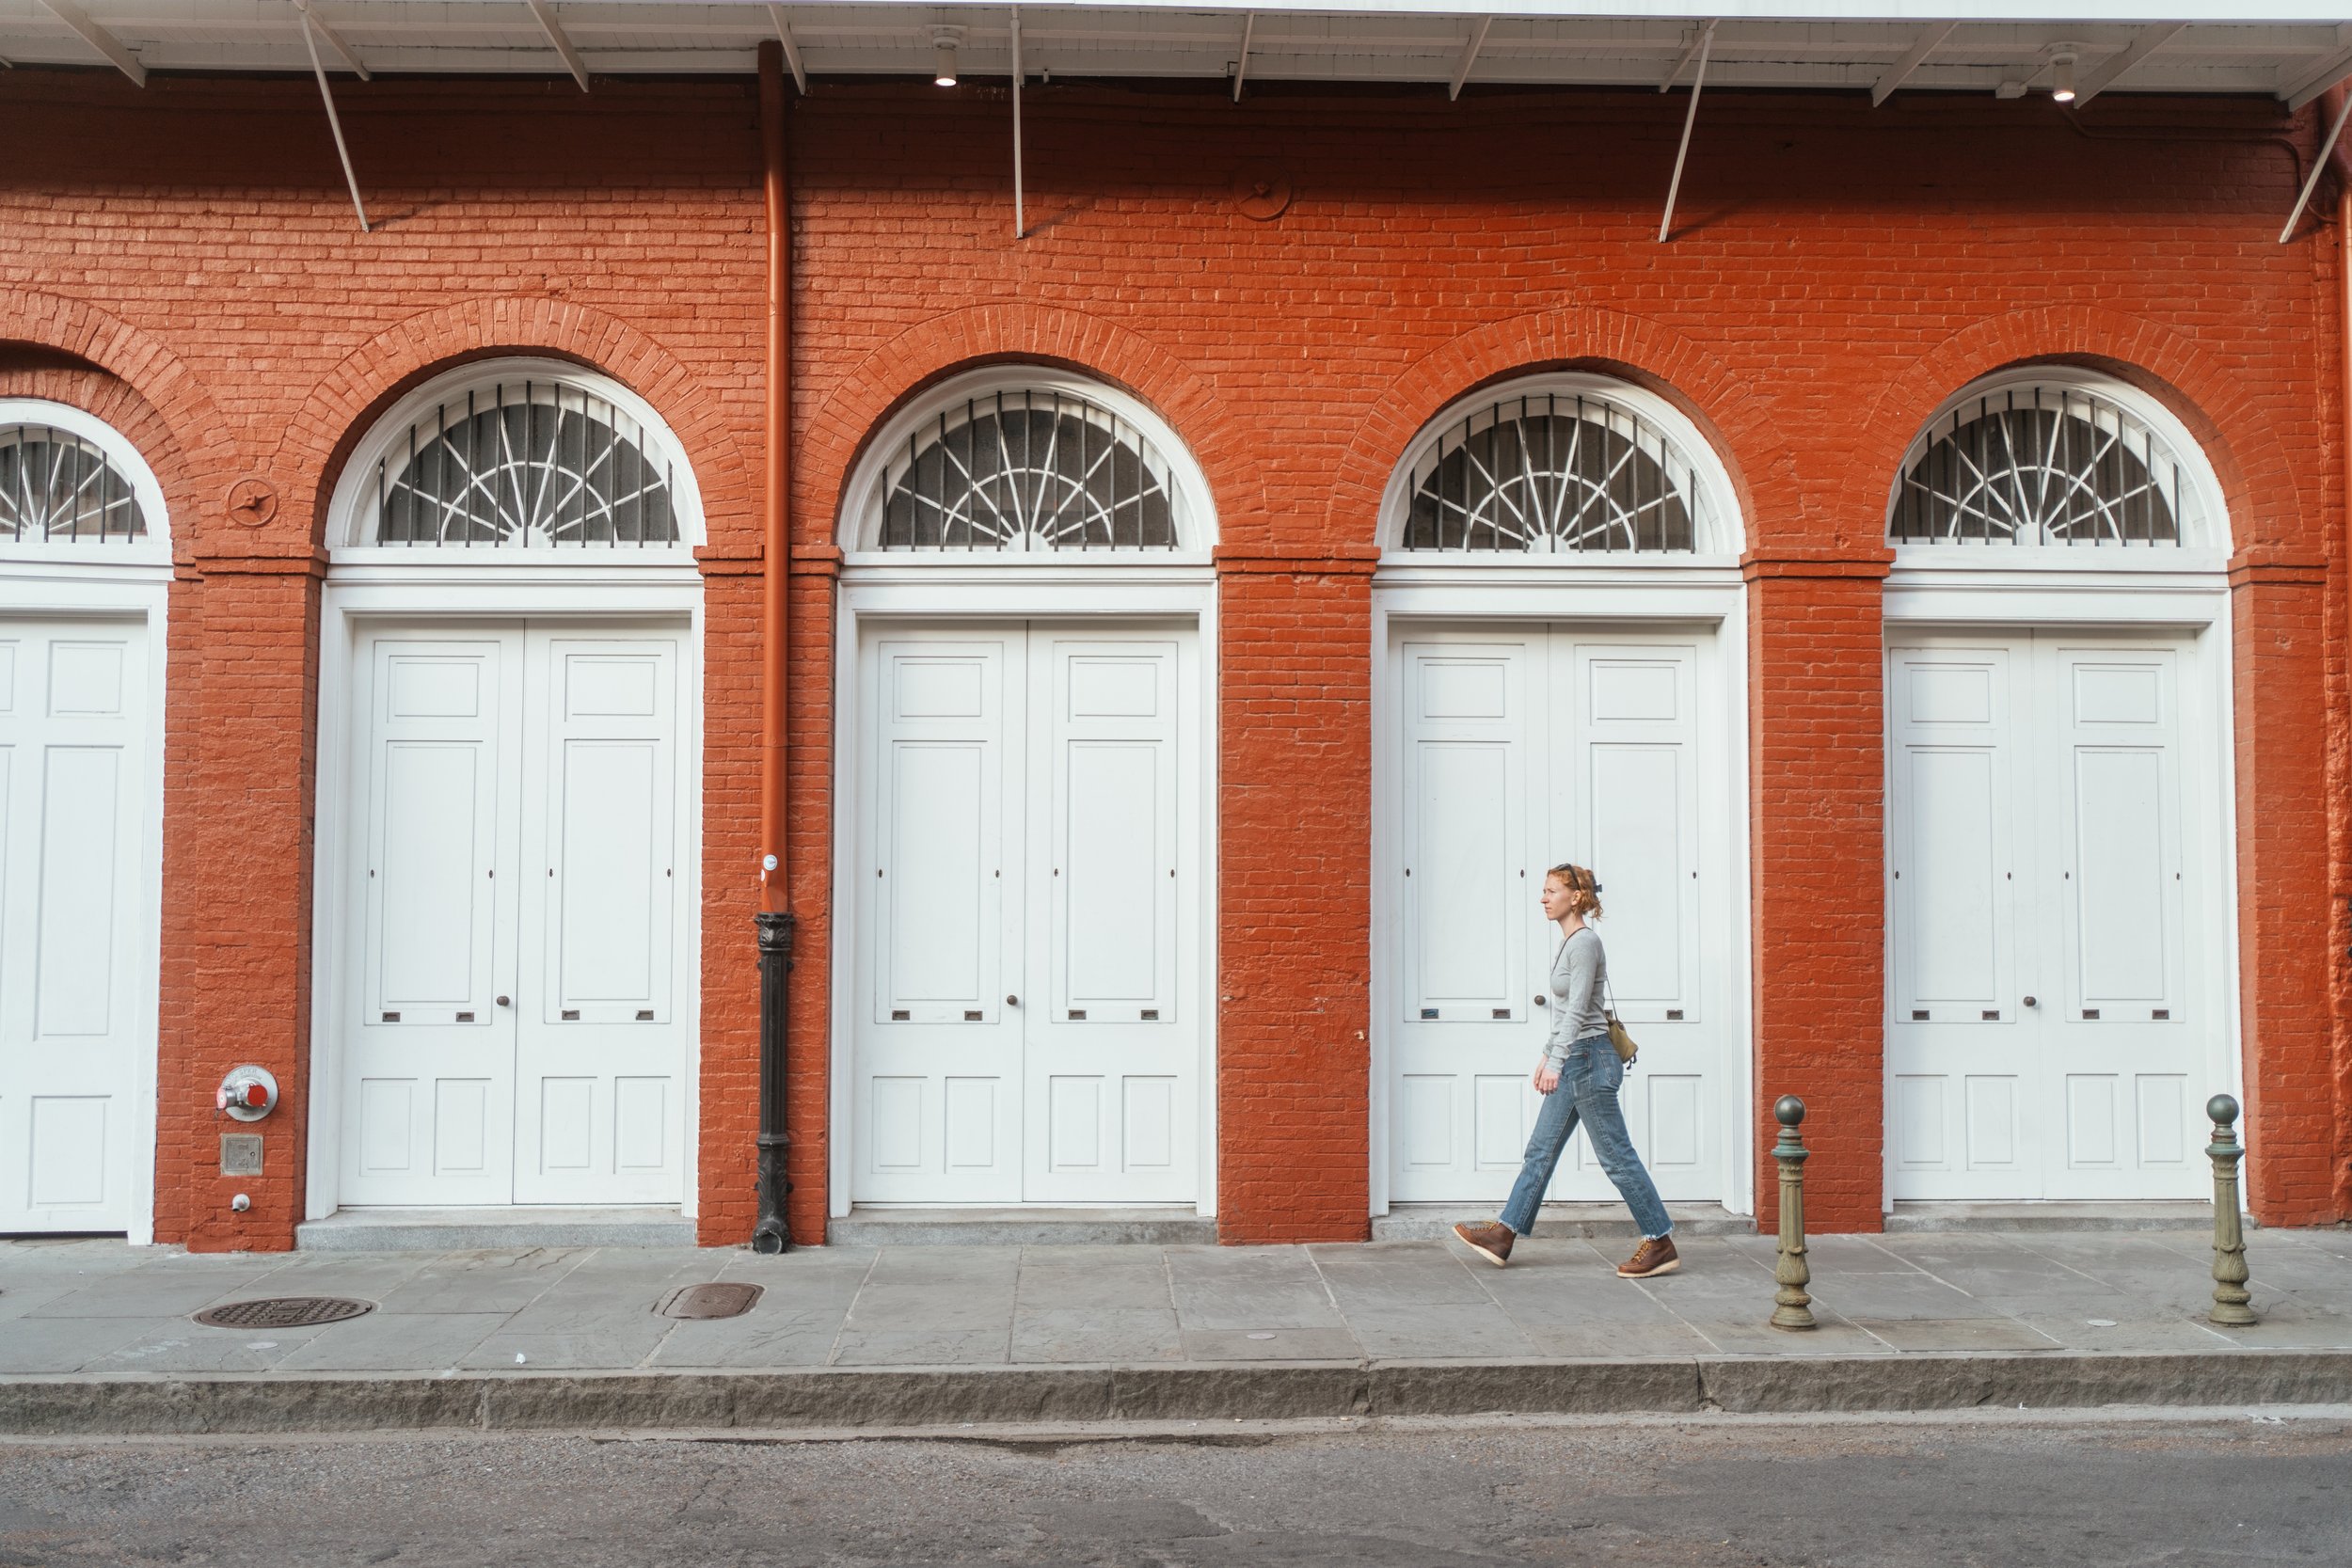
x: 77, y: 939
x: 509, y: 1018
x: 1522, y: 748
x: 2056, y: 995
x: 1025, y: 1002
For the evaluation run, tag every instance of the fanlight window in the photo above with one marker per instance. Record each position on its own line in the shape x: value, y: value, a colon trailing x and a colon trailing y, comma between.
x: 1554, y: 472
x: 525, y: 463
x: 59, y: 488
x: 1029, y: 470
x: 2040, y: 465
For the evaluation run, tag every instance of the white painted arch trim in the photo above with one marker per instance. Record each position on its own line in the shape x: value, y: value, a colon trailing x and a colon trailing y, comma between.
x: 2205, y: 521
x: 860, y: 517
x: 945, y: 588
x: 153, y: 548
x: 348, y: 514
x: 1717, y: 528
x: 1677, y: 596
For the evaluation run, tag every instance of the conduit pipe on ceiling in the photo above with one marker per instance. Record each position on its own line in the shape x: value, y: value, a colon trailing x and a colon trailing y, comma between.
x: 771, y: 1231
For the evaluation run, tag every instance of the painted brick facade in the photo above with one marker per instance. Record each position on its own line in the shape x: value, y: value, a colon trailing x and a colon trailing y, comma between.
x: 184, y: 263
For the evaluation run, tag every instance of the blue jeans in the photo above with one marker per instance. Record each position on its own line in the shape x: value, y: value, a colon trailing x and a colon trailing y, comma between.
x: 1587, y: 1093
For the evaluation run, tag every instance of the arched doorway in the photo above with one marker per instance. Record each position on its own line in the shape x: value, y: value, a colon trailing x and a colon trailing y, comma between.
x: 2059, y: 844
x: 1557, y: 617
x: 509, y: 803
x: 1024, y: 861
x: 85, y: 571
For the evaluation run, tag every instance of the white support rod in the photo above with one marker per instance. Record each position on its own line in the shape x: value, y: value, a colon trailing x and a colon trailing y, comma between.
x: 554, y: 29
x: 98, y: 37
x: 2319, y: 166
x: 2144, y: 43
x: 791, y: 50
x: 334, y: 122
x: 1241, y: 65
x: 334, y: 39
x: 1697, y: 48
x: 1476, y: 41
x: 1020, y: 218
x: 1674, y: 186
x: 1913, y: 57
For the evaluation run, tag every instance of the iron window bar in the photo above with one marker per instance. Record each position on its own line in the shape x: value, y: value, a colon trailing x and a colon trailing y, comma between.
x: 60, y: 488
x: 523, y: 465
x: 1025, y: 470
x: 2034, y: 465
x: 1553, y: 474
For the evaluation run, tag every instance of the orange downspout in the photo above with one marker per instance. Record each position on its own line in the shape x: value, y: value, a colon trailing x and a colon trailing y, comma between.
x: 772, y: 1231
x: 778, y: 475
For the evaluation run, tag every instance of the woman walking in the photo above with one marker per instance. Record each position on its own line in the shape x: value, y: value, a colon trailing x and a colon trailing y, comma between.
x: 1579, y: 1079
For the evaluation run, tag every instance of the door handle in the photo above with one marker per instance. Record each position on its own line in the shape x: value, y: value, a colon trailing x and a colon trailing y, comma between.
x: 1012, y: 1001
x: 505, y: 1002
x: 1543, y: 1002
x: 2031, y: 1002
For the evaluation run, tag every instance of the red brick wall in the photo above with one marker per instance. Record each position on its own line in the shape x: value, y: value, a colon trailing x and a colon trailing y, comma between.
x: 1837, y: 272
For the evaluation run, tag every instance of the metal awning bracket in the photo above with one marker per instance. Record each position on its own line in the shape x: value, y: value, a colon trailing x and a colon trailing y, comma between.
x: 1690, y: 118
x: 334, y: 122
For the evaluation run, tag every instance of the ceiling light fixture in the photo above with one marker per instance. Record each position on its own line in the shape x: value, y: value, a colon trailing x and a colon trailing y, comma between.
x: 2062, y: 78
x: 944, y: 41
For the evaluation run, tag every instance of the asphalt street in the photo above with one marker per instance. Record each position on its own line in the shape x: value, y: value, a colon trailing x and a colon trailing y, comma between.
x: 2178, y: 1487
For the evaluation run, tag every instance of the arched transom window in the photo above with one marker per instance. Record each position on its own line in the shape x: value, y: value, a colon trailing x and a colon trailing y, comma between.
x: 1025, y: 463
x: 1568, y: 465
x: 2030, y: 463
x: 521, y: 455
x: 60, y: 486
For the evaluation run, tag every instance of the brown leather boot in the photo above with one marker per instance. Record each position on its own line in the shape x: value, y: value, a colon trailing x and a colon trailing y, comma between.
x: 1654, y: 1256
x: 1489, y: 1239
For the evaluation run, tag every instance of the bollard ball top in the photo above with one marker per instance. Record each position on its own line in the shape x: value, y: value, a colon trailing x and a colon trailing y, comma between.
x: 2222, y: 1109
x: 1788, y: 1110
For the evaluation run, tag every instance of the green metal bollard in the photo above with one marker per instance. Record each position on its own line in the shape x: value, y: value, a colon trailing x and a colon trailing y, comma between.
x: 1791, y: 1307
x: 2230, y: 1295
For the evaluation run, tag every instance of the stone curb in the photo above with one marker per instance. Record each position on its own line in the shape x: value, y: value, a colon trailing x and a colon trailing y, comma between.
x: 897, y: 1398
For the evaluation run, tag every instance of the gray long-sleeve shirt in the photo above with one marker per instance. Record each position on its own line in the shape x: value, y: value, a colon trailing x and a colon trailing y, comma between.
x: 1579, y: 971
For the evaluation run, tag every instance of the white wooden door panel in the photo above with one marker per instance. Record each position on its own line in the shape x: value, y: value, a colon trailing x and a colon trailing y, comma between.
x: 937, y: 1093
x: 1468, y: 969
x: 515, y: 1036
x: 1523, y: 749
x: 2045, y: 939
x: 76, y: 980
x: 1022, y: 1029
x: 1106, y: 1046
x: 600, y: 1055
x: 428, y: 1051
x: 1626, y: 795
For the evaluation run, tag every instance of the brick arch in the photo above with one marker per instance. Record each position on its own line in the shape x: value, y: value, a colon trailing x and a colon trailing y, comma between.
x: 345, y: 402
x: 2239, y: 436
x: 1732, y: 416
x: 980, y: 335
x: 118, y: 372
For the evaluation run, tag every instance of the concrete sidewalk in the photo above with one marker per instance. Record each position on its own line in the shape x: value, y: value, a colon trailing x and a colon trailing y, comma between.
x: 97, y: 1335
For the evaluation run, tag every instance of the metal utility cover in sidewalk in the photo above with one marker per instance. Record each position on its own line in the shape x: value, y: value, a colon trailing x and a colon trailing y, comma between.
x: 283, y: 1312
x: 721, y: 1300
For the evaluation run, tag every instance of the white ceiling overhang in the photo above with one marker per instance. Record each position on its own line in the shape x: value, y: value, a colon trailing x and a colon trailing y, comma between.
x: 2287, y: 50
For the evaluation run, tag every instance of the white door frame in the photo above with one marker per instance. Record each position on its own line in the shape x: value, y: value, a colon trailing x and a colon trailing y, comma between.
x: 943, y: 592
x: 37, y: 584
x: 427, y: 587
x: 2180, y: 592
x: 1683, y: 595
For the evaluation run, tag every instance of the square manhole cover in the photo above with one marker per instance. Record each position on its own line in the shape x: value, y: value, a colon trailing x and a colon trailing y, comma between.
x: 283, y: 1312
x: 726, y: 1299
